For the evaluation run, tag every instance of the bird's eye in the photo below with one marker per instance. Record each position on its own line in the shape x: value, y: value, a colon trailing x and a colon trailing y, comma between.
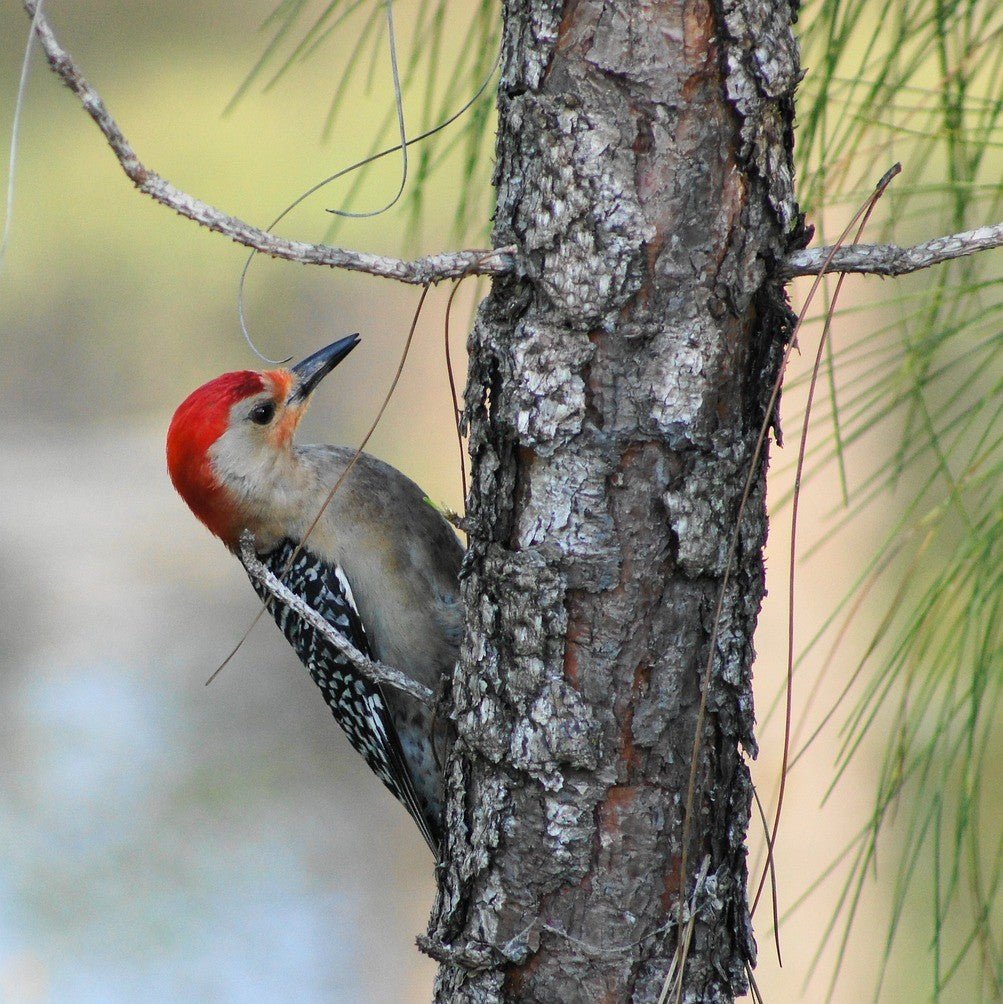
x: 262, y: 414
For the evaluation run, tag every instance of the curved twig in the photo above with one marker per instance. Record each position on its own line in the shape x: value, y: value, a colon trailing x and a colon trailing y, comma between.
x: 420, y: 271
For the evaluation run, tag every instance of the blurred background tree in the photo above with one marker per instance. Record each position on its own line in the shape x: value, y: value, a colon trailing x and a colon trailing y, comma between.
x: 157, y: 824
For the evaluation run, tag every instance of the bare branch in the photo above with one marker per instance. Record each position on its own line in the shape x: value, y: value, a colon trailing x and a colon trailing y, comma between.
x: 431, y: 268
x: 868, y: 259
x: 375, y: 672
x: 890, y: 260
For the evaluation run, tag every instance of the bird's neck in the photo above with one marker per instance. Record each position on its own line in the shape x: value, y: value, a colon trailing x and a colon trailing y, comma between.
x: 272, y: 495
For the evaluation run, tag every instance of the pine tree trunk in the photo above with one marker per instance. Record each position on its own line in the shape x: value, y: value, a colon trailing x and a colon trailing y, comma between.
x: 616, y: 390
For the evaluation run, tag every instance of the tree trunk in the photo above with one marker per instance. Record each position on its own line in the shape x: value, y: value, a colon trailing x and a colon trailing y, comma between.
x: 616, y: 389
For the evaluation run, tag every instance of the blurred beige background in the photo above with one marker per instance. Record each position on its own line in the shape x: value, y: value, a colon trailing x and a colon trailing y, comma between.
x: 164, y: 841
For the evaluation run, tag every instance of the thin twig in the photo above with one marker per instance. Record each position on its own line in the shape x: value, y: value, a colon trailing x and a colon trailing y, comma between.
x: 420, y: 271
x: 824, y: 339
x: 889, y: 259
x: 374, y: 672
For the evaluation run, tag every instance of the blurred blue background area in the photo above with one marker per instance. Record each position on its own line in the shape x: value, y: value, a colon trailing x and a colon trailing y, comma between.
x: 164, y: 840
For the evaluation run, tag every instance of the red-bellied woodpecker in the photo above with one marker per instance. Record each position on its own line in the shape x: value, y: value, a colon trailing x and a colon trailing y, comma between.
x: 381, y: 564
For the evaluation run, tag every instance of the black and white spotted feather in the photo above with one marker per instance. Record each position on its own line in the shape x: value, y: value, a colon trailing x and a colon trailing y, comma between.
x: 357, y: 704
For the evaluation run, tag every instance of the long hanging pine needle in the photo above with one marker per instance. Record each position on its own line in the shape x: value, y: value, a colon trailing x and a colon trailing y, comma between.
x: 677, y: 971
x: 823, y: 342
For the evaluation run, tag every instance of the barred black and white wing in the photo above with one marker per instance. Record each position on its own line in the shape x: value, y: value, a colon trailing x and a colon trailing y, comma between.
x: 357, y: 704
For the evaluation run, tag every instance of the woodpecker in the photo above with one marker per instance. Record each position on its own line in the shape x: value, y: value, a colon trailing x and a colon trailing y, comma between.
x: 381, y: 565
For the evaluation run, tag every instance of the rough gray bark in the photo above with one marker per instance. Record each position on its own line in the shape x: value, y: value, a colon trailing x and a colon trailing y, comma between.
x: 616, y: 390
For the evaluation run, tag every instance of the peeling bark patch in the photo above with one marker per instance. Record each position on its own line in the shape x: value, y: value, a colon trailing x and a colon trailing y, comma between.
x: 553, y: 725
x: 763, y: 71
x: 629, y: 753
x: 578, y: 637
x: 584, y: 270
x: 671, y: 884
x: 699, y: 43
x: 546, y: 366
x: 702, y: 520
x: 565, y: 515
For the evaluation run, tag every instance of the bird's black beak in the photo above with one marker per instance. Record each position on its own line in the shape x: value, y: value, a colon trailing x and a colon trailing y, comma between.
x: 314, y: 368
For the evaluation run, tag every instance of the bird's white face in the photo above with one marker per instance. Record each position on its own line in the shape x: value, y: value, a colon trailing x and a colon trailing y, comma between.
x: 252, y: 457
